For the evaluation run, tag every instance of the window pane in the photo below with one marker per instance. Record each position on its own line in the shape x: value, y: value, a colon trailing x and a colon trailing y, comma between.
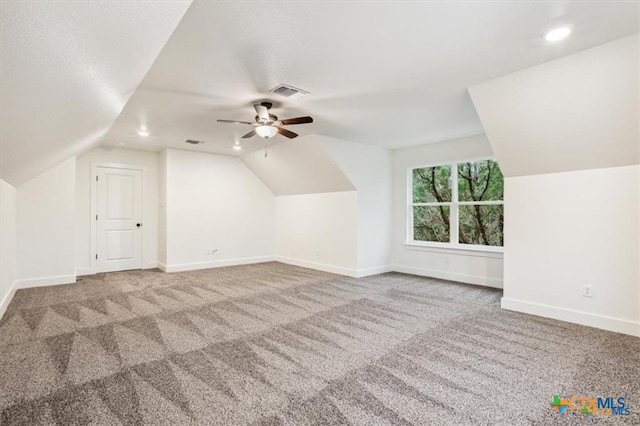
x: 482, y: 225
x: 480, y: 181
x: 431, y: 223
x: 432, y: 184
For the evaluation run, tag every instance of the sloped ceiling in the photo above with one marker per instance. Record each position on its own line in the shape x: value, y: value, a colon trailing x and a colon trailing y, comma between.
x: 578, y: 112
x: 301, y: 166
x: 68, y: 69
x: 390, y: 74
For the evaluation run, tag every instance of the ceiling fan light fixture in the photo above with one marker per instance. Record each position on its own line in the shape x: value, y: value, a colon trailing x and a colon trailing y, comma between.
x: 266, y: 131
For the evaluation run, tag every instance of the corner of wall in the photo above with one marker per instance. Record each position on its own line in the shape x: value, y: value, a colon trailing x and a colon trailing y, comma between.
x: 361, y: 273
x: 46, y: 227
x: 162, y: 235
x: 7, y: 297
x: 8, y: 244
x: 225, y: 206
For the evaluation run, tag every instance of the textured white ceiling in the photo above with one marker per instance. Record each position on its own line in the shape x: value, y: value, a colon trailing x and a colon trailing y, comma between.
x: 68, y: 69
x: 392, y: 74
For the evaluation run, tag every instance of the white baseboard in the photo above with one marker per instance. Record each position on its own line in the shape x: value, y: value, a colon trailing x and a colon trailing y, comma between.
x: 617, y: 325
x: 84, y: 271
x: 318, y: 266
x: 4, y: 304
x: 373, y: 271
x: 447, y: 275
x: 151, y: 264
x: 214, y: 264
x: 45, y: 281
x: 88, y: 271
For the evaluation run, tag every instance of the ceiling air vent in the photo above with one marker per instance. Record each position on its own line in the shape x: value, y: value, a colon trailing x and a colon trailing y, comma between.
x: 289, y: 91
x: 193, y: 142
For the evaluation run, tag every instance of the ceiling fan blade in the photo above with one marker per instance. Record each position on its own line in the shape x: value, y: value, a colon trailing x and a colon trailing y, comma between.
x: 233, y: 121
x: 297, y: 120
x: 262, y: 111
x: 287, y: 133
x: 249, y: 135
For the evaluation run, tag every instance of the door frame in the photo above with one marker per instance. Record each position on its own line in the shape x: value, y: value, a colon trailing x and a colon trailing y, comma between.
x: 94, y: 207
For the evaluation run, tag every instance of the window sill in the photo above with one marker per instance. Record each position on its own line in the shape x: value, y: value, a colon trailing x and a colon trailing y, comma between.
x: 462, y: 250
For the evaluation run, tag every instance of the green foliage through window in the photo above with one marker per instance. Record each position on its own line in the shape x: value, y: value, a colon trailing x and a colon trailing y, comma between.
x: 480, y: 181
x: 431, y: 223
x: 432, y: 184
x: 476, y: 204
x: 481, y: 225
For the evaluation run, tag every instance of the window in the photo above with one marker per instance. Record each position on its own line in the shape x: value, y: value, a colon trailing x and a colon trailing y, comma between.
x: 457, y: 205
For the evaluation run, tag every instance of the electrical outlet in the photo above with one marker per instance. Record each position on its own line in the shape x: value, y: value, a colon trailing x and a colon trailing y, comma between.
x: 211, y: 251
x: 587, y: 290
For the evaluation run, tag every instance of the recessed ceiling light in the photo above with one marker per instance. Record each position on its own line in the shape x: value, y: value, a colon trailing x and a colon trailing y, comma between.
x: 237, y: 147
x: 557, y: 34
x: 143, y: 132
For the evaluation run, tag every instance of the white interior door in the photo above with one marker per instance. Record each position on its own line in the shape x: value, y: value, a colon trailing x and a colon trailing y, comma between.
x: 118, y: 219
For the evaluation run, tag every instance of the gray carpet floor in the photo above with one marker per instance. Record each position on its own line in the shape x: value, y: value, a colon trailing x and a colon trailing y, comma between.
x: 276, y: 344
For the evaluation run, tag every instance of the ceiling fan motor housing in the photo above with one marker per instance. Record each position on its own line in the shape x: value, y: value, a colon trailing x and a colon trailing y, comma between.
x: 272, y: 119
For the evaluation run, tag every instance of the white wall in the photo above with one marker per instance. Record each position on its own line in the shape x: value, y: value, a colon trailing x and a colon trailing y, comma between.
x: 467, y: 266
x: 216, y: 202
x: 369, y: 169
x: 321, y: 165
x: 319, y: 231
x: 162, y: 234
x: 8, y: 225
x: 565, y: 230
x: 567, y: 136
x: 150, y: 161
x: 46, y: 227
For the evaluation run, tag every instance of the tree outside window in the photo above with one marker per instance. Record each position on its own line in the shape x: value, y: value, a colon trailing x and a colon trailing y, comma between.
x: 458, y: 204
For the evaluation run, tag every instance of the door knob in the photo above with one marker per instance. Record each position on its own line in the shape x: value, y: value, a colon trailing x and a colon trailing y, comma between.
x: 138, y: 225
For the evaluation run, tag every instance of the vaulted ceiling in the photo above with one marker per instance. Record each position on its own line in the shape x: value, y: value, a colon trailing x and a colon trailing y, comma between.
x: 393, y: 74
x: 578, y: 112
x: 68, y: 69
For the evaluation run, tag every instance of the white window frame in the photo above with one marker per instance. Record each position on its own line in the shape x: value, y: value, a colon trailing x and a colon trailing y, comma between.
x: 453, y: 210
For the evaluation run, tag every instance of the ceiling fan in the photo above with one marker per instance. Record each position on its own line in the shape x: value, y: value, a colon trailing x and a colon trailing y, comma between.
x: 267, y: 125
